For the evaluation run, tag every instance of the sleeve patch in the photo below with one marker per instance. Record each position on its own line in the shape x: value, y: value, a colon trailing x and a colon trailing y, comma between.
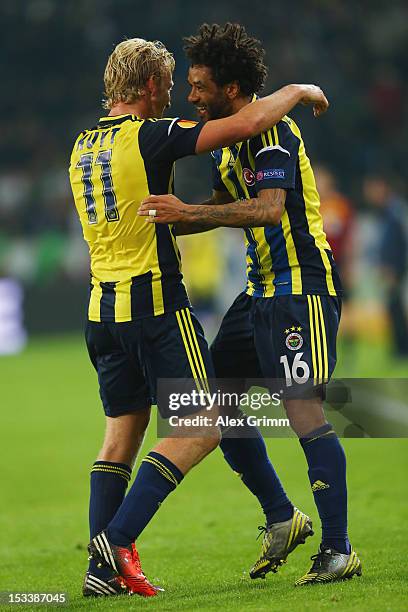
x: 184, y: 123
x: 273, y: 173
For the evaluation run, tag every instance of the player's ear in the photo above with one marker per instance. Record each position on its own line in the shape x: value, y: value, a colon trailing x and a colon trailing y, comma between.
x: 151, y: 85
x: 232, y: 90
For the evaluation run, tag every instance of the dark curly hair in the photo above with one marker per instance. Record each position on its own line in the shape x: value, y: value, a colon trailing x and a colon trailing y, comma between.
x: 231, y: 55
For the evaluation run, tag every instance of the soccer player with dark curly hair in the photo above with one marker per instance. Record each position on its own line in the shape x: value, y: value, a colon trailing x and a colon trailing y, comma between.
x: 284, y: 325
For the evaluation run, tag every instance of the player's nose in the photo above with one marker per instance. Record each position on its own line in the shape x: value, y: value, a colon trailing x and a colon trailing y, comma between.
x: 192, y: 97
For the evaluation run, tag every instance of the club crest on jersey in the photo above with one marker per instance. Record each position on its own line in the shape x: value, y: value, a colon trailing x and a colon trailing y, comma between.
x: 294, y: 341
x: 249, y: 177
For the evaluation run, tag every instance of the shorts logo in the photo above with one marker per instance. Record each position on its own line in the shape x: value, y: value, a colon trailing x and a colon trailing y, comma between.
x: 294, y: 340
x: 274, y: 173
x: 249, y: 176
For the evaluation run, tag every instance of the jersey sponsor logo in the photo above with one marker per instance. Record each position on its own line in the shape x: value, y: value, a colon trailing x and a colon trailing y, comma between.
x: 294, y: 341
x: 249, y: 177
x: 273, y: 173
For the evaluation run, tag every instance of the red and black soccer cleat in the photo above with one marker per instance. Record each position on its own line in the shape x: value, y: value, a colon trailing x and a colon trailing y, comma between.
x: 124, y: 561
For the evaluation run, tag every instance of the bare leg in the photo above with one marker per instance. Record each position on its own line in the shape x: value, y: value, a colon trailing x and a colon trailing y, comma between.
x: 186, y: 450
x: 124, y: 436
x: 160, y: 472
x: 305, y: 415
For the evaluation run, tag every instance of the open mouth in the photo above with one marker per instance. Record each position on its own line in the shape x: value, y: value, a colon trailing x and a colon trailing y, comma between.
x: 201, y: 110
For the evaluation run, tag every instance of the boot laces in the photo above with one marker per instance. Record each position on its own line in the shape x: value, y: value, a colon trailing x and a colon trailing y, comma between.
x: 319, y: 559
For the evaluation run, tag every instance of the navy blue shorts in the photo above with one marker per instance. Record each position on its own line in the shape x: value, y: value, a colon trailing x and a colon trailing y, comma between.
x: 130, y: 357
x: 290, y: 337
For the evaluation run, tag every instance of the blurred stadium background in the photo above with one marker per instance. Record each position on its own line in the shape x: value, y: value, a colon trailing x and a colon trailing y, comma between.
x: 52, y: 65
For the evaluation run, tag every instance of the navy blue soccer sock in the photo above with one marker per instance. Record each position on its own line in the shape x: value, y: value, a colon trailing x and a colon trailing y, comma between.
x: 156, y: 478
x: 108, y: 486
x: 327, y: 474
x: 248, y: 457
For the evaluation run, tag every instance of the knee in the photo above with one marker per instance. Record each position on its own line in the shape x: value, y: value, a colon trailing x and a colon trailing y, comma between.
x: 207, y: 443
x: 214, y: 440
x: 305, y: 415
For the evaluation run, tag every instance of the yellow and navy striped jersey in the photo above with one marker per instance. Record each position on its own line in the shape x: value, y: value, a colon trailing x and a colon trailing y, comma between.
x: 135, y: 265
x: 293, y: 257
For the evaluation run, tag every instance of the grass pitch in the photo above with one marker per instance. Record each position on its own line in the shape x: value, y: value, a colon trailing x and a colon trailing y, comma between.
x: 201, y: 543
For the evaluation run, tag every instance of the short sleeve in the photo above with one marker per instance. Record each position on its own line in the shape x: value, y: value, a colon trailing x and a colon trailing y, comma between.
x: 276, y: 161
x: 169, y: 139
x: 217, y: 182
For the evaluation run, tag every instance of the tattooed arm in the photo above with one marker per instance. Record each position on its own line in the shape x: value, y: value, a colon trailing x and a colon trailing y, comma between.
x: 266, y: 209
x: 186, y: 227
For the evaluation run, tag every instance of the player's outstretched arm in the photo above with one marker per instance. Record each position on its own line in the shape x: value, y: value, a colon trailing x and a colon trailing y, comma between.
x: 218, y: 198
x: 259, y: 116
x: 266, y: 209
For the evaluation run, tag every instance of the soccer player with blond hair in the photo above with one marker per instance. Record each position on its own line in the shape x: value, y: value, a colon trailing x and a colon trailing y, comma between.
x: 140, y: 323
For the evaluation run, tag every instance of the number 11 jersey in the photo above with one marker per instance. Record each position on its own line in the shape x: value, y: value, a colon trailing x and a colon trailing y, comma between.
x: 135, y: 265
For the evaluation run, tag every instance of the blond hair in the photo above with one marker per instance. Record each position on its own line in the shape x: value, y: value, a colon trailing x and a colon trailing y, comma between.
x: 130, y: 65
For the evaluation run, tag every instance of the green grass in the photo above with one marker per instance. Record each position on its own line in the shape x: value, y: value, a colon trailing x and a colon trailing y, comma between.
x: 202, y: 542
